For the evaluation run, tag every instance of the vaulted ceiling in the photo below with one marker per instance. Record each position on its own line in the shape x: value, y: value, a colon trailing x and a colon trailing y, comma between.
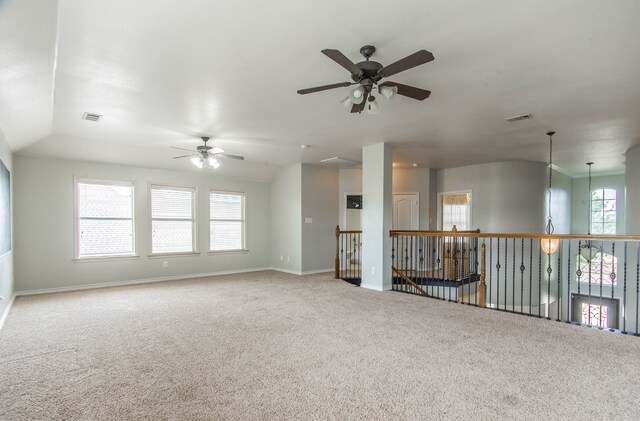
x: 163, y: 73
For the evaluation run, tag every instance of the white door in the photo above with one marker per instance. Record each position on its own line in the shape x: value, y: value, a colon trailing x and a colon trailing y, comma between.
x: 405, y: 212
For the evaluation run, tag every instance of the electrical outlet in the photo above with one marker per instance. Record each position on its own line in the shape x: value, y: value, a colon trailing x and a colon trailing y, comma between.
x: 281, y: 258
x: 288, y: 258
x: 165, y: 264
x: 373, y: 270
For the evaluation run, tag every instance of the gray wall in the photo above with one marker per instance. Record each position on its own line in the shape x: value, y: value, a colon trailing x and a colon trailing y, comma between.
x: 6, y: 261
x: 44, y: 226
x: 632, y: 183
x: 416, y: 180
x: 350, y: 181
x: 286, y: 219
x: 506, y: 196
x: 580, y: 201
x: 405, y: 180
x: 319, y: 202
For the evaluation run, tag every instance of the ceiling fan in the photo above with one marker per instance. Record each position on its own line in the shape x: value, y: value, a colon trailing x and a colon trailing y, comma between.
x: 205, y: 156
x: 367, y: 75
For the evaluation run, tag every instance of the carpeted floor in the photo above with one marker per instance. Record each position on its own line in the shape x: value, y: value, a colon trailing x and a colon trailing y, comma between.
x: 268, y: 345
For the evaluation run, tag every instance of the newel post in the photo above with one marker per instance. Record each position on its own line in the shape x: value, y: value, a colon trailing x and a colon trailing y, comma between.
x: 482, y: 293
x: 337, y: 261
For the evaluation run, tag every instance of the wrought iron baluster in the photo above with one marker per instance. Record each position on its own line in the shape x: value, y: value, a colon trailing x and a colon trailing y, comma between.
x: 394, y: 241
x: 637, y: 286
x: 498, y: 266
x: 601, y: 282
x: 558, y: 296
x: 612, y: 276
x: 475, y: 253
x: 539, y: 281
x: 589, y: 275
x: 549, y: 271
x: 490, y: 269
x: 506, y: 276
x: 530, y: 272
x: 568, y: 320
x: 513, y: 278
x: 624, y: 292
x: 522, y: 268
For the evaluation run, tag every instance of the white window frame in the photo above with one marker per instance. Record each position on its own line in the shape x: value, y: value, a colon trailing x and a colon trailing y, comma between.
x: 440, y: 208
x: 615, y: 212
x: 194, y: 226
x: 244, y: 220
x: 76, y: 218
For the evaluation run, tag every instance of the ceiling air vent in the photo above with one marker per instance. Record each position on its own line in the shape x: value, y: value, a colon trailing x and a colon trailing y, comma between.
x: 91, y: 117
x: 519, y: 117
x: 341, y: 162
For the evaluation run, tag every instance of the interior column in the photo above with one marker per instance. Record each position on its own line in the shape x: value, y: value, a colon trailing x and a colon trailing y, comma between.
x: 377, y: 208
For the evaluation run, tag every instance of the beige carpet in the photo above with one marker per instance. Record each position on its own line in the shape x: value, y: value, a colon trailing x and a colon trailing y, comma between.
x: 273, y: 346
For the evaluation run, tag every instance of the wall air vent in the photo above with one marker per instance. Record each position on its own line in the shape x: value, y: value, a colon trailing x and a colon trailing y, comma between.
x: 519, y: 117
x: 91, y: 117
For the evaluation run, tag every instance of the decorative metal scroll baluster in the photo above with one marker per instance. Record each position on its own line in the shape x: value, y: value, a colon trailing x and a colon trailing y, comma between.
x: 558, y: 300
x: 549, y: 271
x: 613, y: 276
x: 540, y: 282
x: 530, y: 272
x: 522, y: 268
x: 568, y: 320
x: 624, y: 293
x: 490, y: 270
x: 498, y: 278
x: 600, y: 326
x: 637, y: 287
x: 513, y: 278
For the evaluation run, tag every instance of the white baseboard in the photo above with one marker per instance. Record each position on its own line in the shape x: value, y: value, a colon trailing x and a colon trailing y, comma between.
x: 5, y: 314
x: 371, y: 287
x: 313, y: 272
x: 292, y: 272
x: 135, y: 282
x: 297, y: 272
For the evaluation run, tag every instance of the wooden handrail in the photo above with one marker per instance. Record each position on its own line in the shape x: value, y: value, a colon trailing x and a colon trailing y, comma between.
x: 477, y: 234
x: 338, y: 232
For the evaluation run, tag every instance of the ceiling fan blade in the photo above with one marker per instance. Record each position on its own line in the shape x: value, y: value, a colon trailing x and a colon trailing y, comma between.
x: 343, y: 61
x: 324, y: 88
x: 182, y: 149
x: 410, y: 91
x: 358, y: 108
x: 226, y: 155
x: 409, y: 62
x: 184, y: 156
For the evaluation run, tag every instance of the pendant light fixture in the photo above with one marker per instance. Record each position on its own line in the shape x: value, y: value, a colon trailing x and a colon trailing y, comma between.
x: 550, y: 245
x: 588, y: 251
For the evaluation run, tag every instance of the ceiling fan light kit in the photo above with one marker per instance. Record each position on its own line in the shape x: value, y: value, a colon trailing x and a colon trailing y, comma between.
x: 367, y: 75
x: 206, y: 156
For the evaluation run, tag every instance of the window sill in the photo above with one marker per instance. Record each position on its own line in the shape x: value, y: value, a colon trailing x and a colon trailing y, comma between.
x: 105, y: 258
x: 176, y: 254
x: 239, y: 251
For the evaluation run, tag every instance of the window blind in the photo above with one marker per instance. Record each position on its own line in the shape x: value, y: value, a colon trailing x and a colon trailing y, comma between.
x: 456, y: 211
x: 105, y: 219
x: 172, y: 219
x: 226, y: 221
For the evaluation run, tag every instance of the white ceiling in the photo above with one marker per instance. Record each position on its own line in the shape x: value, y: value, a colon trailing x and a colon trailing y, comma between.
x: 164, y: 72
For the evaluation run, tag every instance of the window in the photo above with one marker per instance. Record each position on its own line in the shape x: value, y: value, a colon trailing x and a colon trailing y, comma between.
x: 173, y: 225
x: 602, y: 269
x: 594, y: 315
x: 603, y: 211
x: 226, y: 221
x: 104, y: 220
x: 456, y: 210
